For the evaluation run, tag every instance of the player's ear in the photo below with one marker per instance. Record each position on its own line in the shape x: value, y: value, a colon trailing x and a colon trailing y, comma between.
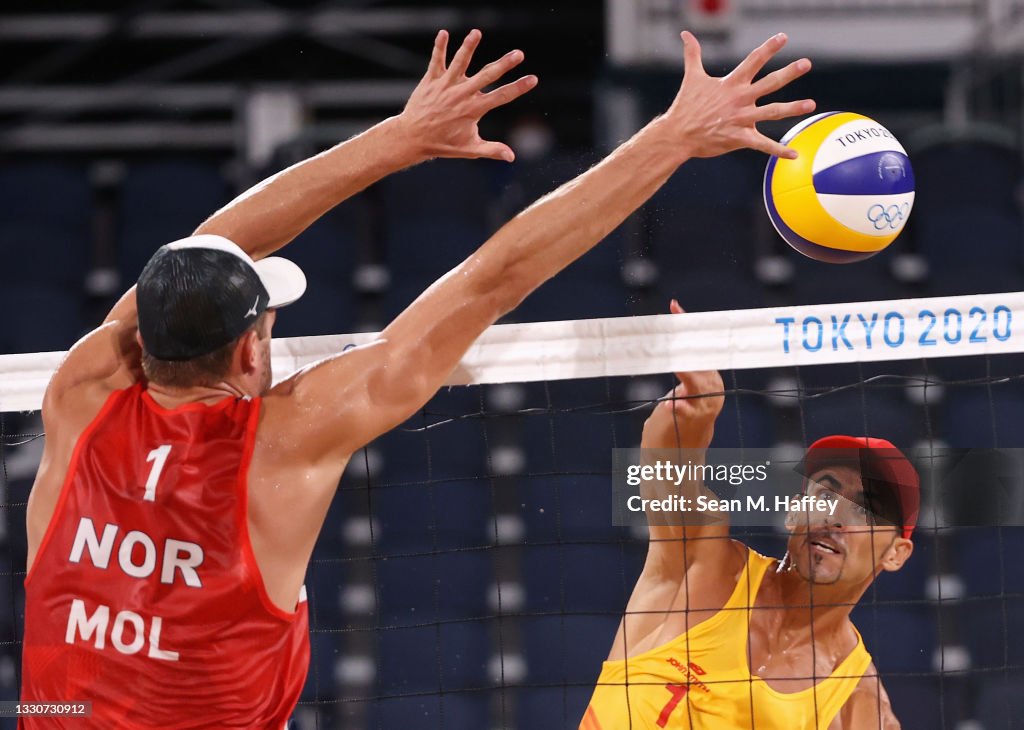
x: 249, y: 350
x: 897, y: 554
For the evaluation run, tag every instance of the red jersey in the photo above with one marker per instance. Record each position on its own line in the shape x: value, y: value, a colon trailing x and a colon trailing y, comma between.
x: 145, y: 597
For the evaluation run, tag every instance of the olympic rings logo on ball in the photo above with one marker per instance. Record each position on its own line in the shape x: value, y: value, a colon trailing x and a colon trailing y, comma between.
x: 891, y: 216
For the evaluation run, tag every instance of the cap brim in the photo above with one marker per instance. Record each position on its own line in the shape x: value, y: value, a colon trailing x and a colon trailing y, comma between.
x: 284, y: 281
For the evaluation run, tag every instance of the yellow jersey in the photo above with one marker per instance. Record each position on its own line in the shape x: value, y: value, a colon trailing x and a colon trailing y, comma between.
x: 701, y: 679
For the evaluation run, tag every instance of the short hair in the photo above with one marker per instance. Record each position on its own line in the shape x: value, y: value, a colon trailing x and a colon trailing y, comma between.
x: 208, y: 369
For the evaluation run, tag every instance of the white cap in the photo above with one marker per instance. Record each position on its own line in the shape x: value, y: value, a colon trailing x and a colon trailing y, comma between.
x: 283, y: 279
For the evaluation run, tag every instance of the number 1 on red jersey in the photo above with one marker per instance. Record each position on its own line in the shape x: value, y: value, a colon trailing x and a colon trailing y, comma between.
x: 159, y: 457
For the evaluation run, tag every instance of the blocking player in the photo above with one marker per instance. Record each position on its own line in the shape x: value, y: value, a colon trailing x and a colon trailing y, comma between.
x: 716, y: 635
x: 180, y: 496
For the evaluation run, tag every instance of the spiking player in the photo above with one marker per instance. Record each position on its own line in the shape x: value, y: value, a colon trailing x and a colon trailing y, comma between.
x: 180, y: 495
x: 717, y: 636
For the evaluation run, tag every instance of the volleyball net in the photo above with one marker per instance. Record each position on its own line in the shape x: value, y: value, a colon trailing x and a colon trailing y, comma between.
x: 470, y: 572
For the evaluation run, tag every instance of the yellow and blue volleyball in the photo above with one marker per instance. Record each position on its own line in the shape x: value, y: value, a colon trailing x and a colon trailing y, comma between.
x: 849, y: 193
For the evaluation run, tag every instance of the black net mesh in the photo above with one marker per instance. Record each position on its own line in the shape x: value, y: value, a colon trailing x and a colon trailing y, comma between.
x: 468, y: 574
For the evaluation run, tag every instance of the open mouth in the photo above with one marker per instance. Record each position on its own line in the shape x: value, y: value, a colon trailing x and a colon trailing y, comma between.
x: 825, y: 546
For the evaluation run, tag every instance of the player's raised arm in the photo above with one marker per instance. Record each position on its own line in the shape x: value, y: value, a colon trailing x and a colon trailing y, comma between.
x: 439, y: 120
x: 687, y: 555
x: 679, y: 431
x: 370, y: 389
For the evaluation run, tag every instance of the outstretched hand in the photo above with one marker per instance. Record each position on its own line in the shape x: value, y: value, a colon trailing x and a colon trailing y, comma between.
x: 685, y: 417
x: 717, y: 115
x: 447, y: 105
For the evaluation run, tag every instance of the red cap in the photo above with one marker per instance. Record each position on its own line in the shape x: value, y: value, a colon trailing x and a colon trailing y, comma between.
x: 883, y: 462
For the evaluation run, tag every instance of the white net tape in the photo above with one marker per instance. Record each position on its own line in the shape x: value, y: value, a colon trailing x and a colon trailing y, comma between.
x: 901, y: 329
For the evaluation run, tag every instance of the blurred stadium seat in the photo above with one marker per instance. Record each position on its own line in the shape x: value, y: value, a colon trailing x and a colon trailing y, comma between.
x: 746, y: 421
x: 984, y: 417
x: 450, y: 513
x: 326, y: 650
x: 162, y: 201
x: 447, y: 711
x: 900, y: 638
x: 699, y: 292
x: 440, y: 658
x: 561, y: 507
x: 580, y: 578
x: 327, y: 252
x: 51, y: 318
x: 555, y: 708
x: 571, y: 440
x: 857, y: 411
x: 969, y: 279
x: 971, y: 235
x: 991, y: 617
x: 702, y: 218
x: 326, y: 580
x: 419, y: 589
x: 568, y: 650
x: 817, y: 283
x: 435, y: 215
x: 940, y: 171
x: 46, y: 227
x: 993, y: 631
x: 927, y: 702
x: 442, y: 445
x: 986, y: 559
x: 1001, y: 701
x: 50, y: 192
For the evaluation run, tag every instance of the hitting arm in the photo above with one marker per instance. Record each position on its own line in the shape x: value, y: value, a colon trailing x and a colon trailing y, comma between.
x: 368, y: 390
x: 679, y: 430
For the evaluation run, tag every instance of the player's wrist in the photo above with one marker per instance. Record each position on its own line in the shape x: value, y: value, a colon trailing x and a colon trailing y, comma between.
x: 675, y: 440
x: 405, y: 141
x: 672, y: 146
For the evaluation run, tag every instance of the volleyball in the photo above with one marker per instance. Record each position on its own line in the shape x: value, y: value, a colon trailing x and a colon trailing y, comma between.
x: 849, y: 193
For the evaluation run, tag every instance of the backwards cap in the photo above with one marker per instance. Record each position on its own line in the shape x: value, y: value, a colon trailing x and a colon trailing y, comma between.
x: 200, y: 293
